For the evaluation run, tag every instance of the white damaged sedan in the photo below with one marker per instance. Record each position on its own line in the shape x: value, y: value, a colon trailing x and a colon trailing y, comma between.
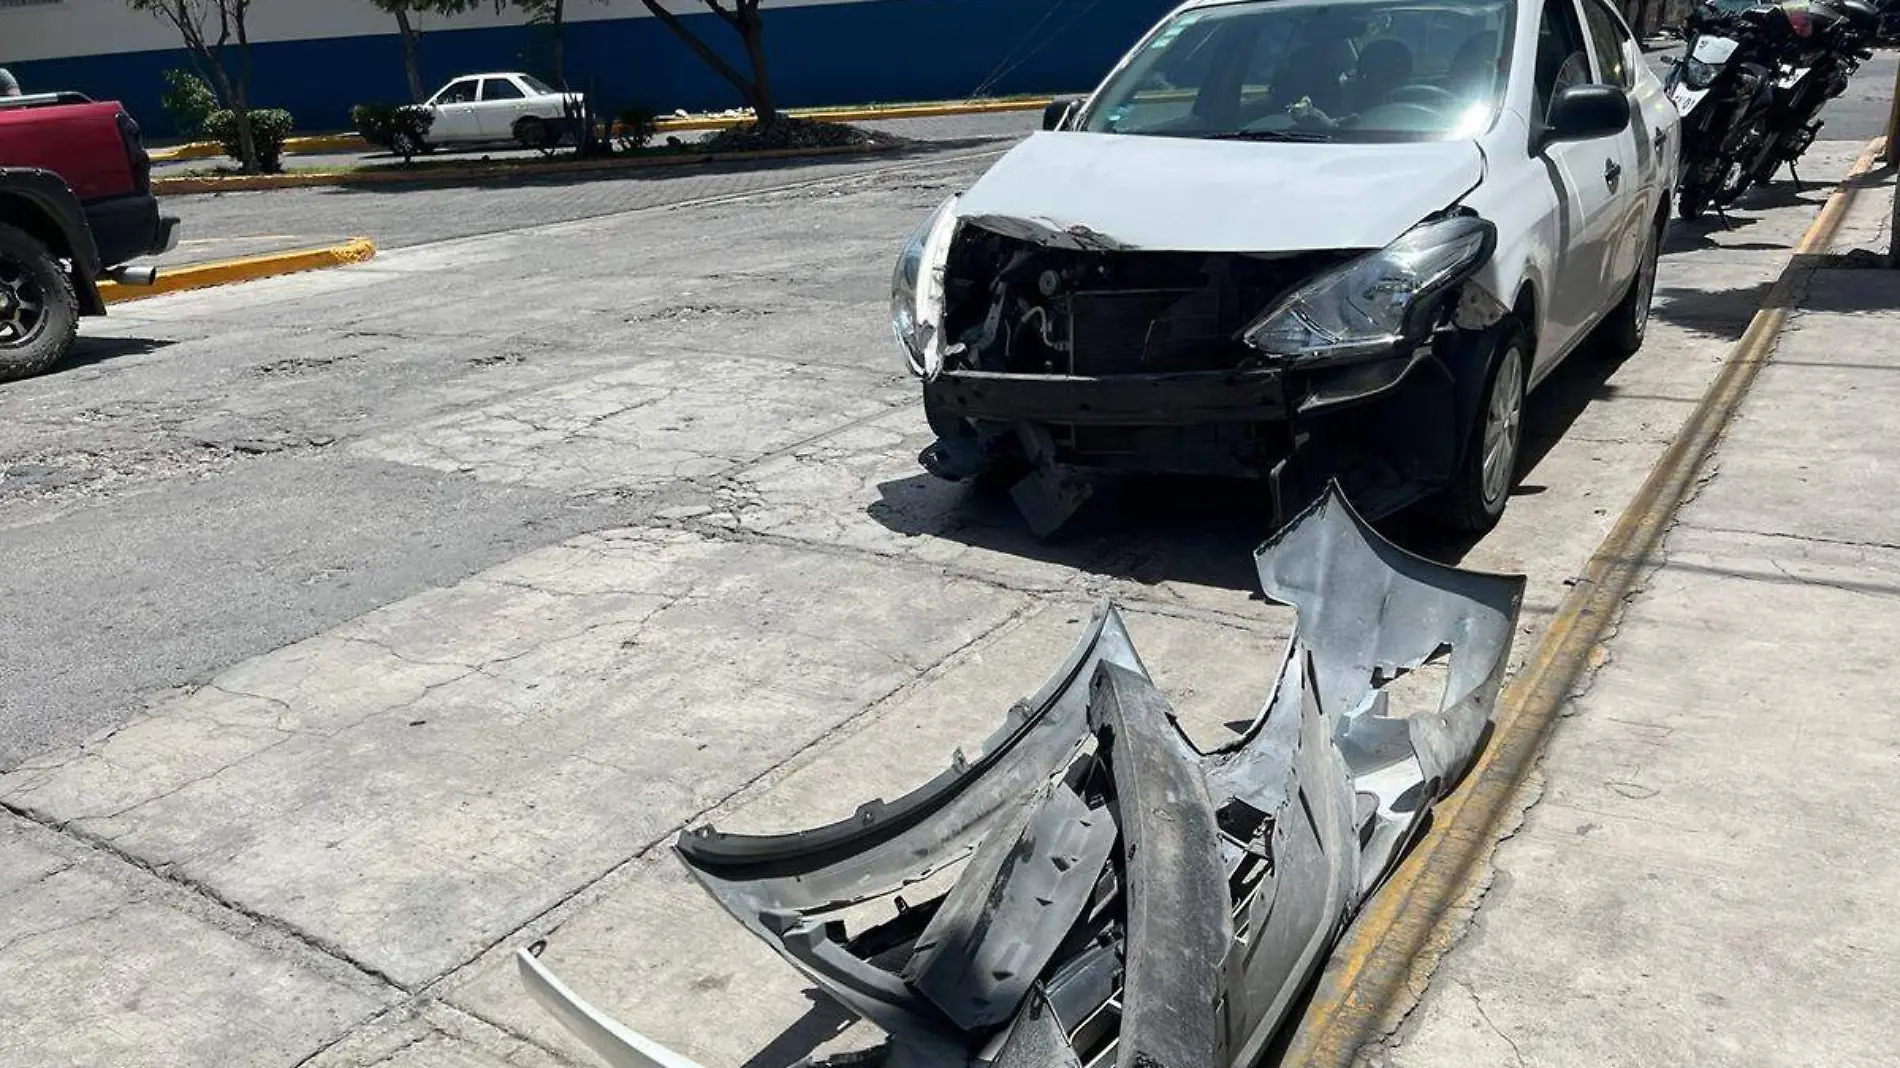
x: 1298, y: 241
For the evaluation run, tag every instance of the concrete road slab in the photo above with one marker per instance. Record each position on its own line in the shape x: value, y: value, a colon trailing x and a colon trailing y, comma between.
x: 649, y: 946
x: 423, y: 781
x: 659, y: 421
x: 104, y: 964
x: 434, y: 1035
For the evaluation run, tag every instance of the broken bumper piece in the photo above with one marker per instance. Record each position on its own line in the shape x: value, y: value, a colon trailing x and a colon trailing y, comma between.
x: 1119, y: 897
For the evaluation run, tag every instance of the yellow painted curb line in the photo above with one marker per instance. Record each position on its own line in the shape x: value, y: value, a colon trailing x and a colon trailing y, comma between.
x: 350, y: 142
x: 242, y: 269
x: 239, y: 183
x: 1384, y: 961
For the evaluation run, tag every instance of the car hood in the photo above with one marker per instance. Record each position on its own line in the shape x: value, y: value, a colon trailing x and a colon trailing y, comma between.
x: 1111, y: 191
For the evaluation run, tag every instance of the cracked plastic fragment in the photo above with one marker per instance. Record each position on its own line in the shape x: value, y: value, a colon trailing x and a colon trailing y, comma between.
x: 1124, y: 898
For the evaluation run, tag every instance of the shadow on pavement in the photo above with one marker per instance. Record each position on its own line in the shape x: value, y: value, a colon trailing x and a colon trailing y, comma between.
x: 542, y: 179
x: 88, y: 351
x: 1153, y: 529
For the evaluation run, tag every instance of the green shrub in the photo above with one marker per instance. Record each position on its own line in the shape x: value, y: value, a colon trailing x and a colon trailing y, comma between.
x: 270, y: 127
x: 188, y: 101
x: 634, y: 128
x: 401, y: 128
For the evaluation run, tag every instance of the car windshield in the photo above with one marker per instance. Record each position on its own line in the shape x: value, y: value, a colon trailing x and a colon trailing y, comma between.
x: 1283, y: 70
x: 535, y: 84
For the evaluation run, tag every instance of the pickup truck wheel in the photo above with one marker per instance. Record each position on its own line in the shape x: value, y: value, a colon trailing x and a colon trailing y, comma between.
x: 39, y: 310
x: 1487, y: 466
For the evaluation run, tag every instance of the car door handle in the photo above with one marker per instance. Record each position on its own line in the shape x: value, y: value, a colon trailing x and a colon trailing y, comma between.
x: 1612, y: 173
x: 1661, y: 139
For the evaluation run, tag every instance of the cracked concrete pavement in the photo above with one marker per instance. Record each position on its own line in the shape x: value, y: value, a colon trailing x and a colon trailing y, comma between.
x: 1704, y: 878
x: 363, y: 626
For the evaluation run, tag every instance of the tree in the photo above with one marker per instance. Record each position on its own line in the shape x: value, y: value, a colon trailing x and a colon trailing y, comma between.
x: 195, y: 21
x: 405, y: 12
x: 550, y: 15
x: 743, y: 17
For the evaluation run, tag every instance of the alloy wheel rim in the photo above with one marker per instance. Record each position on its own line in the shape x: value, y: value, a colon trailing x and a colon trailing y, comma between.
x: 1503, y: 425
x: 22, y: 305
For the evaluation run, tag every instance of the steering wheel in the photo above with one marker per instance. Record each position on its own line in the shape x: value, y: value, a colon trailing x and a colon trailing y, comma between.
x: 1430, y: 96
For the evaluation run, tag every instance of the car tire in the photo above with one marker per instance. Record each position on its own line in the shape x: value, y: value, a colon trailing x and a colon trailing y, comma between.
x: 1692, y: 202
x: 39, y: 309
x: 1487, y: 465
x: 531, y: 132
x: 1622, y: 331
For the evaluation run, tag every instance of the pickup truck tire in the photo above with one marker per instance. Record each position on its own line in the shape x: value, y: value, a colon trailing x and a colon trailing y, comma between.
x: 39, y: 309
x: 1487, y: 465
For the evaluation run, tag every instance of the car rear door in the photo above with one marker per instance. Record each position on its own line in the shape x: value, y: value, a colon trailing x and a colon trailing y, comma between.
x: 455, y: 116
x: 1591, y: 180
x: 501, y: 105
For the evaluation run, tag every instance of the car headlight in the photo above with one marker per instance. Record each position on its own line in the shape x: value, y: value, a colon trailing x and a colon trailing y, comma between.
x: 1697, y: 74
x: 1378, y: 300
x: 917, y: 291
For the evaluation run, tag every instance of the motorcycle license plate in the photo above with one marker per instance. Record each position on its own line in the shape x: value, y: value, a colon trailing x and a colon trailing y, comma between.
x: 1686, y: 98
x: 1713, y: 50
x: 1791, y: 76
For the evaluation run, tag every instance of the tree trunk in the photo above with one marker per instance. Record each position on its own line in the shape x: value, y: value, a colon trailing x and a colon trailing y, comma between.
x: 247, y: 136
x: 560, y: 43
x: 411, y: 55
x: 706, y: 55
x: 754, y: 34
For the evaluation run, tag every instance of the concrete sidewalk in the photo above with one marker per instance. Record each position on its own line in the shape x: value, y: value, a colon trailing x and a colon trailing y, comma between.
x: 1707, y: 871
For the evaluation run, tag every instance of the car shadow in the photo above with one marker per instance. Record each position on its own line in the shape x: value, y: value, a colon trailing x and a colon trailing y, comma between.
x: 529, y: 177
x: 1202, y: 531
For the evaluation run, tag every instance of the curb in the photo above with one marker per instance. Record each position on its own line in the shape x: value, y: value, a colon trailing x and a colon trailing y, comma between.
x: 1385, y: 960
x: 350, y: 142
x: 243, y: 269
x: 488, y: 172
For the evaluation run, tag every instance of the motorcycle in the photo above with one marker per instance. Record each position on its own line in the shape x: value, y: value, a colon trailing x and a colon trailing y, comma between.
x: 1750, y: 85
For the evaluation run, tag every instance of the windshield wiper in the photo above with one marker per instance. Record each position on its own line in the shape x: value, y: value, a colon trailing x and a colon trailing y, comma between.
x: 1299, y: 136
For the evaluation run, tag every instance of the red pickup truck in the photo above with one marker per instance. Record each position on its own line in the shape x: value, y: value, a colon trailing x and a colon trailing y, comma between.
x: 76, y: 205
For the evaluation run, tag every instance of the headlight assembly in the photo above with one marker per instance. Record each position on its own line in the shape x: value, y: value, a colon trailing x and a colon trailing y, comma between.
x: 1697, y: 74
x: 917, y: 291
x: 1380, y: 299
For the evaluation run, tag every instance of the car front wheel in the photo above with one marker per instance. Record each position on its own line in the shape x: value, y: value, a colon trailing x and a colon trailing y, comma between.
x: 39, y: 311
x: 1487, y: 466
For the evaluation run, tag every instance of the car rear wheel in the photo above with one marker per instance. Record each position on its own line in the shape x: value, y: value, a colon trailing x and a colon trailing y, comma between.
x: 39, y: 311
x: 1487, y: 466
x: 531, y: 132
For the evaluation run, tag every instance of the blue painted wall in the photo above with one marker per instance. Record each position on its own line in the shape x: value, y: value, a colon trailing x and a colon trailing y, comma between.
x: 846, y: 53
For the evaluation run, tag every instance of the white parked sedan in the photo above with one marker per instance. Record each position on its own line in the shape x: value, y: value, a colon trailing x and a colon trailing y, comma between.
x: 497, y: 107
x: 1293, y: 241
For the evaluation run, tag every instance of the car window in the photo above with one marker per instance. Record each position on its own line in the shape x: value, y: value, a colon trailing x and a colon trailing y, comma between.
x: 1612, y: 43
x: 457, y: 92
x: 1561, y: 61
x: 535, y: 84
x: 500, y: 89
x: 1332, y: 70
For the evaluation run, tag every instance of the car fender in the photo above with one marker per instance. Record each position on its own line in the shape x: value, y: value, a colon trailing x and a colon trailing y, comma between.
x: 1518, y: 198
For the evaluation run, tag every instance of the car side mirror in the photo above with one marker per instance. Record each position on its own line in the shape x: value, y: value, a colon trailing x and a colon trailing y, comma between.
x: 1058, y: 112
x: 1587, y: 112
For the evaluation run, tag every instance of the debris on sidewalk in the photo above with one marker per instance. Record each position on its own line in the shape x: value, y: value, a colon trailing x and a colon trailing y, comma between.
x: 1112, y: 876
